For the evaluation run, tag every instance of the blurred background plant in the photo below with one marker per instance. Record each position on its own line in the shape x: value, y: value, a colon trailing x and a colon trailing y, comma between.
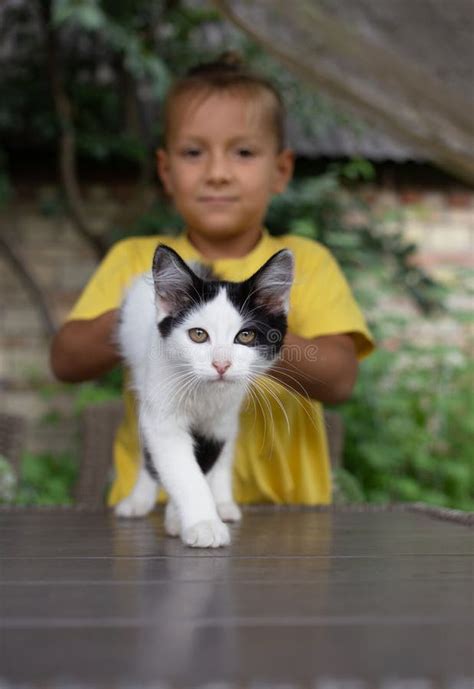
x: 87, y: 87
x: 409, y: 426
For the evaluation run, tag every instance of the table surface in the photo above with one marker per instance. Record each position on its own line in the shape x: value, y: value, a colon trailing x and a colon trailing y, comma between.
x: 318, y: 598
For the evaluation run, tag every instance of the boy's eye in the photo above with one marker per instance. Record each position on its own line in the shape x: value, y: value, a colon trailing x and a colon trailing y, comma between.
x: 245, y: 337
x: 245, y: 152
x: 198, y: 335
x: 191, y: 152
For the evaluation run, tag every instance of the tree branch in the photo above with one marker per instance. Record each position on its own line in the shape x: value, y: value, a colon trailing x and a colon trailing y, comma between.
x: 67, y: 142
x: 31, y: 286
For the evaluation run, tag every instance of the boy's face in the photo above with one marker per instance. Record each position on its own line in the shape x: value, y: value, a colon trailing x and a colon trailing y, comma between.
x: 221, y: 165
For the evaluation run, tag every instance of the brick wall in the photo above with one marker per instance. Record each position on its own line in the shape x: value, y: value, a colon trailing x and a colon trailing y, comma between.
x: 441, y: 224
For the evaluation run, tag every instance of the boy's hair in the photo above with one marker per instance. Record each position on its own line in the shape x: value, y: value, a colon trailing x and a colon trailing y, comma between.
x: 228, y: 74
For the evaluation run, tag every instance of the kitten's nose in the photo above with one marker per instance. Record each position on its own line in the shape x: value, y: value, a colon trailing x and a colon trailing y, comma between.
x: 221, y: 366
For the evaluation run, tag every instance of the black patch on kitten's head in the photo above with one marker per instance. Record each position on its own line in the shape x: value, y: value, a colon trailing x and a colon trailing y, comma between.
x: 262, y: 299
x: 177, y: 288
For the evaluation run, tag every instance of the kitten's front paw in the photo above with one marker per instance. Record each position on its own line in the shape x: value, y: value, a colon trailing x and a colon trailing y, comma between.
x: 207, y: 534
x: 229, y: 512
x: 134, y: 506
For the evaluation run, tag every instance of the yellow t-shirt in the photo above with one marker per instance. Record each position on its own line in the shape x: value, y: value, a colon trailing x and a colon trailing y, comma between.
x: 281, y: 453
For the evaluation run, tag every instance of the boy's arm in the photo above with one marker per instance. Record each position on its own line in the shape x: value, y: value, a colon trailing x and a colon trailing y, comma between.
x: 325, y: 367
x: 84, y: 349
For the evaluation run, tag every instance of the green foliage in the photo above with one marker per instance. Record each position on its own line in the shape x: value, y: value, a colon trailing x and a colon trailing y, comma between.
x: 409, y: 427
x: 409, y: 432
x: 46, y: 479
x: 160, y: 218
x: 322, y: 208
x: 124, y: 32
x: 105, y: 44
x: 346, y: 488
x: 109, y: 387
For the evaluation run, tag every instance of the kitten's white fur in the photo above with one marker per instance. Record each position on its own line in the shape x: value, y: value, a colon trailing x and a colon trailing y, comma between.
x: 178, y: 389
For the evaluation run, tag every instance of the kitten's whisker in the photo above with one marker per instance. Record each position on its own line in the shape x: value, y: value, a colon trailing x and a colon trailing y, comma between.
x: 248, y: 398
x: 283, y: 372
x: 300, y: 373
x: 186, y: 390
x: 249, y: 295
x: 184, y: 381
x: 256, y: 397
x: 189, y: 393
x: 180, y: 398
x: 303, y: 403
x: 267, y: 387
x: 267, y: 409
x: 170, y: 383
x: 251, y: 394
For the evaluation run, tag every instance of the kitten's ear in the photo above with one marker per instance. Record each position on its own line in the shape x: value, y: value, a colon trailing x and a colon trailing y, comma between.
x: 271, y: 284
x: 172, y: 278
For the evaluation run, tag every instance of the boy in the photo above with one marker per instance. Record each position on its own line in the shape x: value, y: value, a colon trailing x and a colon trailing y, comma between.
x: 223, y: 159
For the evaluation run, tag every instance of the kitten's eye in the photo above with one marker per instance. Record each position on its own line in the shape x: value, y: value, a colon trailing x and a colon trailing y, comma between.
x: 245, y: 337
x: 198, y: 335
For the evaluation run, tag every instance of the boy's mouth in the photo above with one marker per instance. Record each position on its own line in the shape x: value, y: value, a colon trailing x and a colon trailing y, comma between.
x: 217, y: 199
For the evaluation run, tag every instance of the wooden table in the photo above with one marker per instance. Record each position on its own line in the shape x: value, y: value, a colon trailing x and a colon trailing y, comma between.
x: 321, y: 598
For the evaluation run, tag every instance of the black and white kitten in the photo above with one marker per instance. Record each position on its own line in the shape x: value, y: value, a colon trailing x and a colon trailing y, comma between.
x: 193, y: 346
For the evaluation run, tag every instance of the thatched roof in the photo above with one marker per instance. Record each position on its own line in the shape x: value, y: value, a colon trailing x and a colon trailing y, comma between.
x: 338, y: 141
x: 405, y: 66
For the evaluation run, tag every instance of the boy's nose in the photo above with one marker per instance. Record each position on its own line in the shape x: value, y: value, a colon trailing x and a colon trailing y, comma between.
x: 218, y: 168
x: 221, y: 366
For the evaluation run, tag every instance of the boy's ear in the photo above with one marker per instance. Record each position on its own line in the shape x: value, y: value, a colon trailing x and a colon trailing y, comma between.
x: 285, y: 164
x: 163, y: 169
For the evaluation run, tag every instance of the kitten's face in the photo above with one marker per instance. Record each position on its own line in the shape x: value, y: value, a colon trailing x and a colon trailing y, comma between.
x: 222, y: 332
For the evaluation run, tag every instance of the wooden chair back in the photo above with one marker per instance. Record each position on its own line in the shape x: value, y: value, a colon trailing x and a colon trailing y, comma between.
x: 12, y: 437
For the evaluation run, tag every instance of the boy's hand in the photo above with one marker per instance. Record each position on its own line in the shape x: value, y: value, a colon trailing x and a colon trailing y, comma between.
x: 325, y: 368
x: 85, y: 349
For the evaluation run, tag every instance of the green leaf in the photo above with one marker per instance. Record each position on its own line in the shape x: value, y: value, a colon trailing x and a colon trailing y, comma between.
x: 85, y: 13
